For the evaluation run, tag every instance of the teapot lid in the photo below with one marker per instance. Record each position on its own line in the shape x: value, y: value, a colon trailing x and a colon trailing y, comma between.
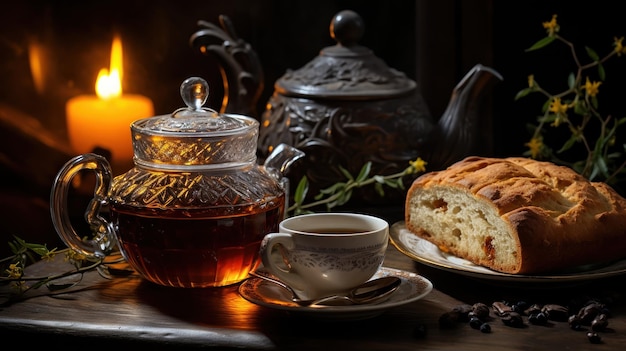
x: 346, y: 70
x: 195, y: 136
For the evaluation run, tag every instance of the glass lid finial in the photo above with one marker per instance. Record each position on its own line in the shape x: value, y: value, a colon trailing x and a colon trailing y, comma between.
x: 194, y: 92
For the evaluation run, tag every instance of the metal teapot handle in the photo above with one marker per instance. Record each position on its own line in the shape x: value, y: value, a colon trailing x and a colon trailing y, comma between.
x: 103, y: 231
x: 241, y: 69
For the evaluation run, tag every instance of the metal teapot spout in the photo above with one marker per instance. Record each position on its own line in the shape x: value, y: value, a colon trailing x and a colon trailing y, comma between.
x: 459, y: 131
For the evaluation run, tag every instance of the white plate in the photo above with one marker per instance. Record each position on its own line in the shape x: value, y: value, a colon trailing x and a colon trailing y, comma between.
x: 262, y: 292
x: 429, y: 254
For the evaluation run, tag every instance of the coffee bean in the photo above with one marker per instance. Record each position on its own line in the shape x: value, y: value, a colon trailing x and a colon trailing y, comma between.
x: 501, y: 308
x: 480, y: 310
x: 589, y: 312
x: 556, y: 312
x: 574, y: 322
x: 594, y: 338
x: 463, y: 311
x: 475, y: 322
x: 533, y: 309
x: 512, y: 319
x: 538, y: 318
x: 599, y: 323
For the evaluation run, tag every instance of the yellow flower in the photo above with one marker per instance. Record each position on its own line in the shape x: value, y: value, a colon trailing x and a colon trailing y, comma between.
x: 14, y: 270
x: 557, y: 107
x: 534, y: 145
x: 551, y: 26
x: 619, y: 48
x: 74, y: 256
x: 560, y: 110
x: 531, y: 81
x: 592, y: 87
x: 418, y: 165
x: 48, y: 256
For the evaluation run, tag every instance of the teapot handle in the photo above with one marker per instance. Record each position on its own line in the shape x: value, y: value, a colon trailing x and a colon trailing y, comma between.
x: 103, y: 240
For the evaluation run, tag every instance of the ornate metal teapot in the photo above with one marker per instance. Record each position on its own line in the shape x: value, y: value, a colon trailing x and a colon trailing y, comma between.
x: 346, y: 107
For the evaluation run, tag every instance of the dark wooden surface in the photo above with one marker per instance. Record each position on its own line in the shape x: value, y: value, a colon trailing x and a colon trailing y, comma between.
x: 131, y: 312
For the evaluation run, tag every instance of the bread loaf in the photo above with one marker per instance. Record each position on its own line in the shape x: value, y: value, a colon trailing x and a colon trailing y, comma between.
x: 518, y: 215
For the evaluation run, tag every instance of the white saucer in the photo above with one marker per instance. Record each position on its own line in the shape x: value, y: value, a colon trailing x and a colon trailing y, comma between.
x: 429, y: 254
x: 264, y: 293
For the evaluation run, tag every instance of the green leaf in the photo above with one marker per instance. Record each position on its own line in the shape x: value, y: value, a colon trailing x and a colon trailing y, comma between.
x: 571, y: 80
x: 592, y: 54
x: 41, y: 251
x: 333, y: 189
x: 541, y: 43
x: 400, y: 183
x: 341, y: 200
x: 14, y: 248
x: 601, y: 72
x: 546, y: 105
x: 365, y: 171
x: 580, y: 108
x: 346, y: 173
x: 344, y: 198
x: 379, y: 189
x: 594, y: 102
x: 599, y: 167
x: 568, y: 144
x: 391, y: 183
x: 35, y: 247
x: 523, y: 93
x: 614, y: 155
x: 301, y: 191
x: 547, y: 118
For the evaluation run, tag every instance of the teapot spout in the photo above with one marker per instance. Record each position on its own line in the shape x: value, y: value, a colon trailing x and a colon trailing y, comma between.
x: 278, y: 163
x: 458, y: 131
x: 281, y: 158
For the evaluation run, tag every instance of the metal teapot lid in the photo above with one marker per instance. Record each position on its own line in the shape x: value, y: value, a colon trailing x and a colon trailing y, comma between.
x: 195, y: 136
x: 346, y: 70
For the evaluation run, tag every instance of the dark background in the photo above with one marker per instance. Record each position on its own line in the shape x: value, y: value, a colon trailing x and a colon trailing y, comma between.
x: 434, y: 42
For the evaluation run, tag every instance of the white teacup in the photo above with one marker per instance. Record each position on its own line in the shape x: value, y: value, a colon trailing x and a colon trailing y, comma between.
x: 326, y: 253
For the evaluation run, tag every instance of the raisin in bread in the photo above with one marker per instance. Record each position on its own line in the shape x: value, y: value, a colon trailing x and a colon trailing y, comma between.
x: 518, y: 215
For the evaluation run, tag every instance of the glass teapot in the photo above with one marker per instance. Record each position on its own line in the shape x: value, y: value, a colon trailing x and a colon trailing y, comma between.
x: 194, y: 208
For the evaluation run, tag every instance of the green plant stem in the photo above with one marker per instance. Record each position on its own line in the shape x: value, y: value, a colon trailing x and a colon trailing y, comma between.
x: 351, y: 184
x: 56, y: 276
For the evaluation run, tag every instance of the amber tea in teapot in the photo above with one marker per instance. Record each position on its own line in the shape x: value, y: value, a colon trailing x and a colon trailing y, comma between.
x: 197, y: 247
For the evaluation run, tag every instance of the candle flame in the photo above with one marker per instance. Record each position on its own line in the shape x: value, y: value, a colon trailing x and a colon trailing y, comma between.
x: 109, y: 82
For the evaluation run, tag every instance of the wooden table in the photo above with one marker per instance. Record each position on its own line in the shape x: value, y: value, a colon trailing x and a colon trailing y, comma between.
x: 131, y: 312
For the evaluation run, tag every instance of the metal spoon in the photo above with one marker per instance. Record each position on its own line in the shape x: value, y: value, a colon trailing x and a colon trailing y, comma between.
x: 368, y: 292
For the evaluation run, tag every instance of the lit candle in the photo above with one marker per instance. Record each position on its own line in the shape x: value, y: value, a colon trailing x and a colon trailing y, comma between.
x: 104, y: 120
